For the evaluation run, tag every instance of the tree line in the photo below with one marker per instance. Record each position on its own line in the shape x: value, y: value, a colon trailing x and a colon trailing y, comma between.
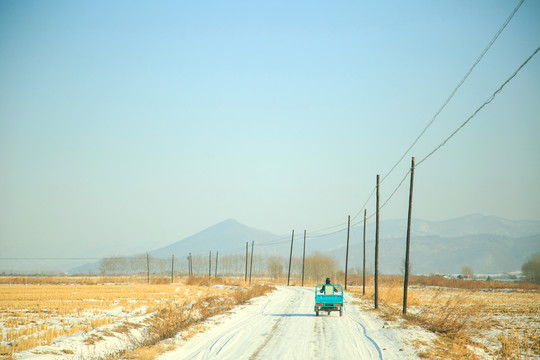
x: 316, y: 266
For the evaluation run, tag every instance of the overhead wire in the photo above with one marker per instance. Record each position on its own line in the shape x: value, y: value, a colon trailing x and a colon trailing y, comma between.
x: 488, y: 101
x: 480, y: 57
x: 503, y: 26
x: 342, y: 226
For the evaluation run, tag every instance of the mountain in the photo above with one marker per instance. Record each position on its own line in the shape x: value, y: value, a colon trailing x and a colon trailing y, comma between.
x: 225, y: 236
x: 484, y: 253
x: 487, y: 244
x: 474, y: 224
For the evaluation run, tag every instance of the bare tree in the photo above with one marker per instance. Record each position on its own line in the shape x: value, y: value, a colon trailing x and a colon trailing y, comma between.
x: 274, y: 266
x: 531, y: 269
x: 467, y: 272
x: 318, y: 267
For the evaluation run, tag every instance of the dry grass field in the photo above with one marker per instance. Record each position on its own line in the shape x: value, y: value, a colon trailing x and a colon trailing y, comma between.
x: 469, y: 319
x: 34, y: 311
x: 472, y: 319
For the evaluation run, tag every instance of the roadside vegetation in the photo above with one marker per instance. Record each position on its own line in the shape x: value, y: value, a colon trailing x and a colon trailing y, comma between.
x: 469, y: 318
x: 34, y: 311
x: 531, y: 269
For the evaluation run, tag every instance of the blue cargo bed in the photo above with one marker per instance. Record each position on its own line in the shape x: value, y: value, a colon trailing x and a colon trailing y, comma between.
x: 329, y: 297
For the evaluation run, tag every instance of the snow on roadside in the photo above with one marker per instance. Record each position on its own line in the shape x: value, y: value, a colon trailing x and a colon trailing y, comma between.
x: 267, y: 326
x: 412, y: 340
x: 94, y: 344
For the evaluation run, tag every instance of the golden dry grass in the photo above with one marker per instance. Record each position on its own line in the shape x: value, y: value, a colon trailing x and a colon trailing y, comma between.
x: 170, y: 320
x: 33, y: 315
x: 81, y: 280
x: 499, y: 318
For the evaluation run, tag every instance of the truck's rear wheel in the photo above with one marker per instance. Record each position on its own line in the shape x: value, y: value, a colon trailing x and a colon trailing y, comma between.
x: 317, y: 313
x: 341, y: 312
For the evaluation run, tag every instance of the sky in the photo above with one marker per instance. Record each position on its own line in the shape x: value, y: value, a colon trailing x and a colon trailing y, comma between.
x: 133, y: 123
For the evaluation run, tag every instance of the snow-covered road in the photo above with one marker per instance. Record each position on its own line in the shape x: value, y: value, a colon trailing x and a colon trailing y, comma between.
x: 283, y: 325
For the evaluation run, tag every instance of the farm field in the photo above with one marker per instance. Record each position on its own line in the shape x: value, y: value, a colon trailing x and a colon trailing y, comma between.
x: 34, y: 314
x: 483, y: 320
x: 76, y: 318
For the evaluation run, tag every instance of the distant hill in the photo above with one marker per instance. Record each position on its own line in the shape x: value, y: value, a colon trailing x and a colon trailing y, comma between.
x: 225, y: 236
x: 228, y: 235
x: 474, y: 224
x: 484, y: 253
x: 487, y: 244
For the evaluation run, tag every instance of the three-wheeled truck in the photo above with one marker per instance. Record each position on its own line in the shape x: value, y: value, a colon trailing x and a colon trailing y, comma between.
x: 329, y: 297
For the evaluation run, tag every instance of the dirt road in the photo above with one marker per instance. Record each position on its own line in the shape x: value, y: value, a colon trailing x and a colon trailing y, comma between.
x: 283, y: 325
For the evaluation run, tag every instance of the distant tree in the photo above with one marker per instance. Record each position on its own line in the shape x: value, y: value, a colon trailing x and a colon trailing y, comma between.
x: 531, y: 269
x: 467, y: 272
x: 318, y: 267
x: 274, y: 267
x: 403, y: 267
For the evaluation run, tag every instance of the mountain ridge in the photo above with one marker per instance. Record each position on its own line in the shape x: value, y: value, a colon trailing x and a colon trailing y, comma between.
x: 493, y: 242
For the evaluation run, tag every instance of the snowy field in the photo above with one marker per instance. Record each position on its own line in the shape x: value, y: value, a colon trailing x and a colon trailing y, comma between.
x: 38, y: 315
x: 81, y: 322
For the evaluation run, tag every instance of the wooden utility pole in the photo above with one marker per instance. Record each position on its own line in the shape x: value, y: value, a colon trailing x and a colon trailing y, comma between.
x: 377, y: 249
x: 290, y: 260
x: 304, y: 258
x: 190, y: 265
x: 408, y: 245
x: 245, y: 276
x: 172, y: 269
x: 347, y: 253
x: 217, y: 253
x: 148, y: 267
x: 364, y: 268
x: 251, y: 262
x: 210, y: 264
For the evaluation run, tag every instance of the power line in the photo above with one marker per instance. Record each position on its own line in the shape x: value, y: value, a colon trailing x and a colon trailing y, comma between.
x: 489, y: 100
x: 364, y: 206
x: 495, y: 37
x: 456, y: 89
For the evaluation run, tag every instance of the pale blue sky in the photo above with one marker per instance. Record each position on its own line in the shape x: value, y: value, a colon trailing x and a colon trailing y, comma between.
x: 130, y: 122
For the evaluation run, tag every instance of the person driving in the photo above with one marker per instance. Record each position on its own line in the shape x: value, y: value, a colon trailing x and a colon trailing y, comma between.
x: 328, y: 282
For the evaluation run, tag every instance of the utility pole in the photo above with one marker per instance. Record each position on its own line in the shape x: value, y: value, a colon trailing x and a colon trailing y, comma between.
x: 217, y: 253
x: 210, y: 264
x: 189, y: 265
x: 251, y: 262
x: 364, y: 268
x: 148, y: 267
x: 304, y: 258
x: 172, y: 269
x: 290, y: 259
x: 377, y: 249
x: 245, y: 276
x: 347, y: 253
x: 408, y: 245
